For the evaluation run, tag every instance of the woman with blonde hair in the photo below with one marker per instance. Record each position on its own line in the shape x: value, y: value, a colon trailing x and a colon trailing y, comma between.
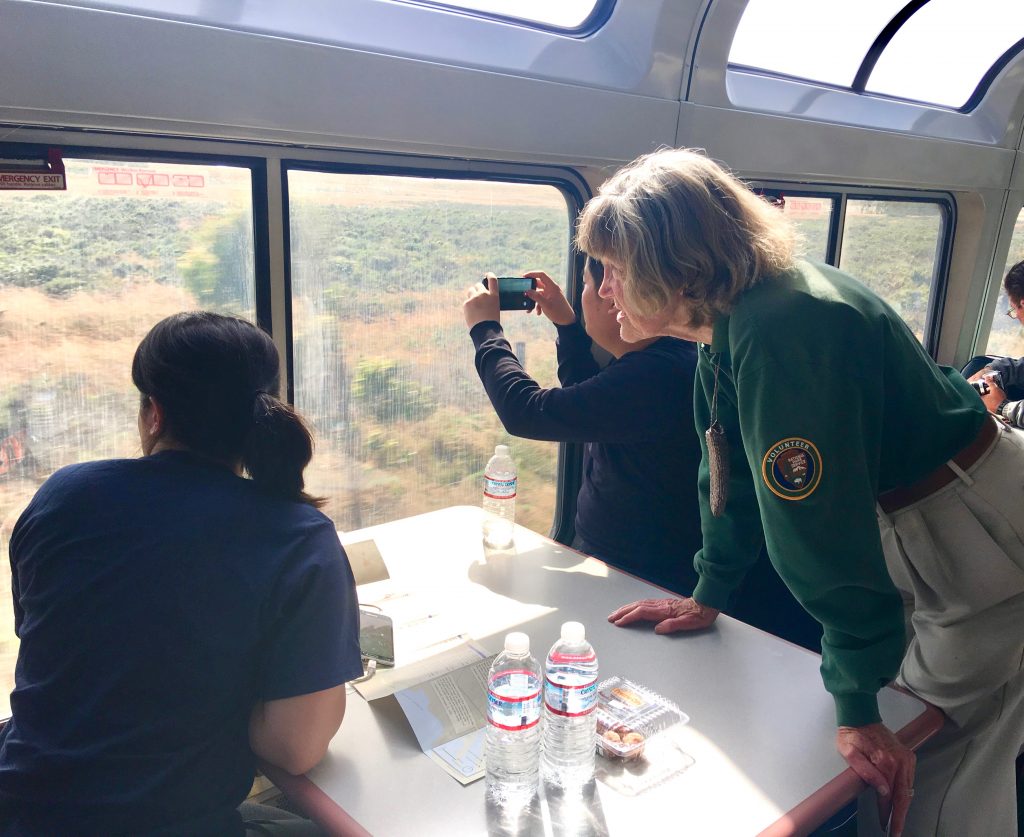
x: 875, y: 477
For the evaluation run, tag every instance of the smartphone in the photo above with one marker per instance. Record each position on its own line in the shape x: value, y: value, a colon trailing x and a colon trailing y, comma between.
x: 376, y: 636
x: 512, y: 293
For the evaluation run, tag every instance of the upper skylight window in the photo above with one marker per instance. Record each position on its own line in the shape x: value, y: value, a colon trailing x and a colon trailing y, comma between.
x: 938, y: 51
x: 570, y: 15
x: 944, y: 50
x: 811, y: 39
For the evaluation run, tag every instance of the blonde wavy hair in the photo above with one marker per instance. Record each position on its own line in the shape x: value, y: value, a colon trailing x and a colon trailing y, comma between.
x: 681, y: 225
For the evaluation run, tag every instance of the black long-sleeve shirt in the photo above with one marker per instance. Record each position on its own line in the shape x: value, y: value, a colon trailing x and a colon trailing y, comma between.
x: 637, y: 508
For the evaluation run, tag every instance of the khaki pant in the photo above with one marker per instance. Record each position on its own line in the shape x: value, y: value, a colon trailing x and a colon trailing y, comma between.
x: 958, y: 559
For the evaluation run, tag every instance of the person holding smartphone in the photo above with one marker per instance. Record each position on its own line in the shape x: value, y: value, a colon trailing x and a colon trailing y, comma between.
x: 637, y: 508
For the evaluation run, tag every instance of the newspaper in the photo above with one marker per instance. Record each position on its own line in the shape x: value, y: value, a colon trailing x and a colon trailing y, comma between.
x: 448, y: 714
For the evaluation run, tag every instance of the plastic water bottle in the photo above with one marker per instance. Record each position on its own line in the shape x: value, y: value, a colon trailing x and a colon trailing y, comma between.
x: 512, y: 745
x: 570, y: 698
x: 500, y: 480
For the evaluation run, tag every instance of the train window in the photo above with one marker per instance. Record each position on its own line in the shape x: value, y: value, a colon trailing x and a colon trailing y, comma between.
x: 812, y: 216
x: 809, y: 39
x: 83, y: 275
x: 894, y: 247
x: 1007, y: 336
x: 885, y: 47
x: 567, y: 15
x: 382, y: 361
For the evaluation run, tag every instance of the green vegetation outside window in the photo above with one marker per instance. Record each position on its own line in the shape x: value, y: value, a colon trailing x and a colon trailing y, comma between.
x: 383, y: 363
x: 894, y: 247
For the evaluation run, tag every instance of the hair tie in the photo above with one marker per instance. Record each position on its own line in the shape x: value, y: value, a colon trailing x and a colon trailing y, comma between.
x: 258, y: 408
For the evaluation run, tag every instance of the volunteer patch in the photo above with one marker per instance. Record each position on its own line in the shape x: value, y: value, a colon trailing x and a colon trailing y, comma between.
x: 792, y: 468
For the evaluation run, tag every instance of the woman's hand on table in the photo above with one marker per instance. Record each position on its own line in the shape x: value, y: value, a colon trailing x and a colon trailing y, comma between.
x: 671, y: 615
x: 877, y: 756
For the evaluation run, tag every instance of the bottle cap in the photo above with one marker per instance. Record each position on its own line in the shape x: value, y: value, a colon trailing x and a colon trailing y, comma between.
x: 517, y: 643
x: 573, y: 632
x: 501, y: 450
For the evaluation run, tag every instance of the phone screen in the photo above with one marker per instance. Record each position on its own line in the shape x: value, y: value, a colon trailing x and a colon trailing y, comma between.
x: 376, y: 636
x: 511, y: 294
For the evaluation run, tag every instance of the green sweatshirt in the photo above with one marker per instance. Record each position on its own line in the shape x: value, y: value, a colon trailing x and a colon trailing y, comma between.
x: 827, y: 399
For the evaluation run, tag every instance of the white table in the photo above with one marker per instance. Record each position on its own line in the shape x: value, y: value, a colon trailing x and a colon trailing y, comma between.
x: 761, y: 726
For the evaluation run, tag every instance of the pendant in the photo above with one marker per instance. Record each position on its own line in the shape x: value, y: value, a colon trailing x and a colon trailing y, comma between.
x: 718, y: 466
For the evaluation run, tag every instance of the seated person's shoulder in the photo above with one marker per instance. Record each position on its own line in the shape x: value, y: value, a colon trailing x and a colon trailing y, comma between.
x: 85, y: 476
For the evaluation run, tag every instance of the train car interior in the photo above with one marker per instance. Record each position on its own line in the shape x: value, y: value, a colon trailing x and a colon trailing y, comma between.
x: 340, y: 171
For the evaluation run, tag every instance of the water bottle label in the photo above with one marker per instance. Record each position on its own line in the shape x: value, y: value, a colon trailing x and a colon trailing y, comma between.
x: 499, y: 489
x: 514, y: 700
x: 570, y: 701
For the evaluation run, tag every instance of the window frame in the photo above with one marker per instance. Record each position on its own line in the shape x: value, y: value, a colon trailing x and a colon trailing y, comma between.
x: 597, y: 18
x: 842, y: 195
x: 574, y: 190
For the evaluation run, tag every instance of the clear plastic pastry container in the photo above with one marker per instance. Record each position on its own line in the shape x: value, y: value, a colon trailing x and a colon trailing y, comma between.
x: 629, y: 715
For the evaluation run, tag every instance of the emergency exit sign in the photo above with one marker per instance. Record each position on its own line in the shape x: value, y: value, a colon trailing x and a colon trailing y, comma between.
x: 11, y: 180
x: 34, y: 171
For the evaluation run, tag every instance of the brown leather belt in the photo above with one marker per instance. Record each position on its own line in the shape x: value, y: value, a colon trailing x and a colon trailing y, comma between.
x: 905, y: 495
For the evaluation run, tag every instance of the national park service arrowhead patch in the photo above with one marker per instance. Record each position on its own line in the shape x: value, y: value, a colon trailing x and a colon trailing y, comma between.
x: 792, y: 468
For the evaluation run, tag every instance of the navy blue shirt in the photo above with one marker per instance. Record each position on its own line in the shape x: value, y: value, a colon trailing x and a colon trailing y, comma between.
x: 637, y: 508
x: 157, y: 601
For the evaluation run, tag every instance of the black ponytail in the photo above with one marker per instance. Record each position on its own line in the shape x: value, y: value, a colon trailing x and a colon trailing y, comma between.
x: 217, y: 379
x: 278, y: 448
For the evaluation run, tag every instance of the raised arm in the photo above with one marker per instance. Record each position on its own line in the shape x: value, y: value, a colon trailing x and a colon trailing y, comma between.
x: 632, y: 400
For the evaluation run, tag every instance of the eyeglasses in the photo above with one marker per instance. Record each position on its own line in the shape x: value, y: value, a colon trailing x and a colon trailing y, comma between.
x: 1012, y: 312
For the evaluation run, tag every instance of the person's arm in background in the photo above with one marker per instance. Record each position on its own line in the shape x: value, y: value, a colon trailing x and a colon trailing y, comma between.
x: 626, y: 402
x: 1010, y: 370
x: 312, y: 651
x: 1000, y: 375
x: 576, y: 363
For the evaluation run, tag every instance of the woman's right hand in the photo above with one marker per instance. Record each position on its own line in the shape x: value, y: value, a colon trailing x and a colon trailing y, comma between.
x: 671, y: 615
x: 550, y: 300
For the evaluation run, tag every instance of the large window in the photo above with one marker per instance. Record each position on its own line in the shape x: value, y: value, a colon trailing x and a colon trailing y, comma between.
x: 942, y: 52
x: 84, y: 274
x: 1007, y: 335
x: 895, y: 247
x: 812, y: 217
x: 383, y: 364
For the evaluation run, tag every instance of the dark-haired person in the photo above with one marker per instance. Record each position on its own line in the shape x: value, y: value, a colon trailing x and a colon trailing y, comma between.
x: 637, y: 507
x: 882, y: 486
x: 1005, y: 375
x: 181, y: 613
